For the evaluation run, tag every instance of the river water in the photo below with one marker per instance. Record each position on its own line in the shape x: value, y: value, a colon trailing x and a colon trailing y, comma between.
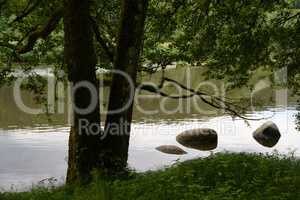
x: 34, y: 154
x: 33, y: 150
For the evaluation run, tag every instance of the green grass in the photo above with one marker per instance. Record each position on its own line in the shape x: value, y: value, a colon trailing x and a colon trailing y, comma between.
x: 221, y: 176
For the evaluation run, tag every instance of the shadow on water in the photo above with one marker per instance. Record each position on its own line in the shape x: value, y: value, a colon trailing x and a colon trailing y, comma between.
x: 31, y: 144
x: 160, y: 109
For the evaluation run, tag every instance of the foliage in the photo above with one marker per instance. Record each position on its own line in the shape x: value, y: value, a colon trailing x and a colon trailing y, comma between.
x: 16, y: 26
x: 298, y: 117
x: 232, y: 38
x: 38, y: 85
x: 237, y: 33
x: 221, y: 176
x: 6, y: 76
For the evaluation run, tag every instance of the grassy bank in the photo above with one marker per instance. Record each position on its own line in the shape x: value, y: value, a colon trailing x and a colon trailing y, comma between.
x: 222, y: 176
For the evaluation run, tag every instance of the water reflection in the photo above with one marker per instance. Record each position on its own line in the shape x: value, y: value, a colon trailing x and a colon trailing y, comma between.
x: 32, y: 148
x: 31, y: 155
x: 166, y: 109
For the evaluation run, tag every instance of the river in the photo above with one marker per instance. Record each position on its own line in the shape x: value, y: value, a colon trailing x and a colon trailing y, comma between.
x: 33, y: 149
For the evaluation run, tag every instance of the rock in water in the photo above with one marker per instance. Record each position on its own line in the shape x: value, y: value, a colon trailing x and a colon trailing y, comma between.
x: 171, y: 149
x: 200, y: 139
x: 267, y: 135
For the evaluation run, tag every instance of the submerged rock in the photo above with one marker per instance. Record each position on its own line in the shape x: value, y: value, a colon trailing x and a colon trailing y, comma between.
x: 171, y: 149
x: 267, y: 135
x: 200, y: 139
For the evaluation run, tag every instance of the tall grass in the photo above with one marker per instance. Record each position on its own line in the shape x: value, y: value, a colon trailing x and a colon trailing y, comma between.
x: 221, y: 176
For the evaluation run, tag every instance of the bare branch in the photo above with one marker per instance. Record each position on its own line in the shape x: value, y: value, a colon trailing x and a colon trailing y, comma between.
x: 155, y: 90
x: 183, y: 86
x: 216, y: 102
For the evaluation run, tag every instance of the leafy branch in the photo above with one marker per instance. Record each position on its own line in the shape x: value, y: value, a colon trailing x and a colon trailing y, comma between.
x: 30, y: 7
x: 40, y: 32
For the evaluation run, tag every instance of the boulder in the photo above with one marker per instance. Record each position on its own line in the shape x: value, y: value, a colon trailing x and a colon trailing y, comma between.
x: 200, y: 139
x: 171, y: 149
x: 267, y: 135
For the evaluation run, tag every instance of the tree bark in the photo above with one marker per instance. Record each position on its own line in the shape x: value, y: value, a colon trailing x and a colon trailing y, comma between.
x: 86, y: 150
x: 118, y: 125
x: 80, y: 58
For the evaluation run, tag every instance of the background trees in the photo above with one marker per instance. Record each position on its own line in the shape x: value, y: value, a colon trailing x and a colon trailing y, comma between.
x: 244, y: 34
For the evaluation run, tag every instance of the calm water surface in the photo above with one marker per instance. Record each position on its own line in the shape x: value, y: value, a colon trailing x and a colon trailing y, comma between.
x: 31, y: 152
x: 34, y: 154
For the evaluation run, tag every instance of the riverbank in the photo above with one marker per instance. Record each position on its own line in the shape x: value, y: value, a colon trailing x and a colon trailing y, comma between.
x: 221, y: 176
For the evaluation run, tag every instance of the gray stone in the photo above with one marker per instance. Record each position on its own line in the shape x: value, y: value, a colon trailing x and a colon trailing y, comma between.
x: 171, y: 149
x: 200, y: 139
x: 267, y: 135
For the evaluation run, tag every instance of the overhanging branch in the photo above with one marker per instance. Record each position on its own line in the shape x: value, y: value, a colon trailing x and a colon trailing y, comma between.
x: 286, y: 19
x: 41, y: 32
x: 226, y: 104
x: 28, y: 9
x: 293, y: 16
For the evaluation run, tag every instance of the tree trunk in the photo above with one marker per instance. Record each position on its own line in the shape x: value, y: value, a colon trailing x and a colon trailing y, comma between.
x: 118, y: 125
x: 80, y: 58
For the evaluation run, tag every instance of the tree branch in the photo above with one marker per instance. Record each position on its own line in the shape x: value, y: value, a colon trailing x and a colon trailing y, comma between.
x: 293, y: 16
x: 41, y: 33
x: 216, y: 102
x: 156, y: 90
x: 109, y: 30
x: 2, y: 3
x: 286, y: 19
x: 28, y: 9
x: 101, y: 40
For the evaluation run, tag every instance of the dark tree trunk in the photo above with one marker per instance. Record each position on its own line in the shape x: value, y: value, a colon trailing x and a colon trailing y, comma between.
x: 80, y: 57
x: 86, y: 150
x: 129, y: 47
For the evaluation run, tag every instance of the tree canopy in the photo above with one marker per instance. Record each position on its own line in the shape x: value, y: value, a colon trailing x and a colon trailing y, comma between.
x: 232, y: 38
